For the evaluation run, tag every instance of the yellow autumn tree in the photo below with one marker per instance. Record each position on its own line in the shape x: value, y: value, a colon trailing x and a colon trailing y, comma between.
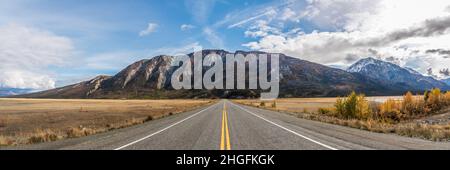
x: 390, y: 110
x: 408, y: 104
x: 353, y: 106
x: 447, y: 98
x: 434, y: 100
x: 362, y: 108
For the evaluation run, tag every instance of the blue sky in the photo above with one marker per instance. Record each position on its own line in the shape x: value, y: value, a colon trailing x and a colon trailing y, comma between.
x: 51, y: 43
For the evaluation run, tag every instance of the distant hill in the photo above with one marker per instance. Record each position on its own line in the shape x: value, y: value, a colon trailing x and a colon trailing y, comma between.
x: 394, y: 76
x: 13, y: 91
x: 298, y: 78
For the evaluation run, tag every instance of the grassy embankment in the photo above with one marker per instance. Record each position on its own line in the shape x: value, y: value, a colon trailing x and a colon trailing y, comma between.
x: 406, y: 115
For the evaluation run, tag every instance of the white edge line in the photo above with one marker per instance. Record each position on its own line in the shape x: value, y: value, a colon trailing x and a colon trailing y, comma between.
x: 300, y: 135
x: 148, y: 136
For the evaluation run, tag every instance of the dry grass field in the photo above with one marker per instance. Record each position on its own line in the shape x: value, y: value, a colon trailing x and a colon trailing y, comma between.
x: 25, y: 121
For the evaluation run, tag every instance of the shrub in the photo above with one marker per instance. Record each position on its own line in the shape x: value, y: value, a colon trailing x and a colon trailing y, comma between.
x: 79, y: 132
x: 426, y: 96
x: 324, y: 111
x: 43, y: 136
x: 363, y: 110
x: 434, y: 100
x: 262, y: 104
x: 350, y: 105
x: 390, y: 110
x: 274, y: 104
x: 340, y: 106
x: 354, y: 106
x: 447, y: 98
x: 408, y: 103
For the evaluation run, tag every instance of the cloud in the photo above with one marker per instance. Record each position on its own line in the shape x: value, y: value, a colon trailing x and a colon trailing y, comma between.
x: 269, y: 12
x: 261, y: 29
x: 444, y: 53
x: 212, y: 37
x: 444, y: 72
x: 289, y: 14
x: 186, y: 27
x: 430, y: 72
x: 26, y: 53
x: 243, y: 17
x: 150, y: 29
x: 200, y: 10
x: 347, y: 30
x: 431, y: 27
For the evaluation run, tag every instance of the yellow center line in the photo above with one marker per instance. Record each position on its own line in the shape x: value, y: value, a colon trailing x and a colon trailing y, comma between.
x: 222, y: 138
x: 225, y: 135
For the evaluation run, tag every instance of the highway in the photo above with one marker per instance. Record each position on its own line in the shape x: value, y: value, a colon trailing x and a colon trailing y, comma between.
x: 228, y: 126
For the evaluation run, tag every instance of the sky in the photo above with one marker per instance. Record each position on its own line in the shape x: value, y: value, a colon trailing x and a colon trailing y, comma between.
x: 51, y: 43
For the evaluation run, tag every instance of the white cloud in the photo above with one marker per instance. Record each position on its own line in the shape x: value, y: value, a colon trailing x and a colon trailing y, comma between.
x: 244, y: 17
x: 200, y: 10
x: 212, y: 37
x: 269, y: 12
x: 26, y: 54
x: 400, y: 30
x: 186, y: 27
x: 151, y: 27
x: 289, y: 14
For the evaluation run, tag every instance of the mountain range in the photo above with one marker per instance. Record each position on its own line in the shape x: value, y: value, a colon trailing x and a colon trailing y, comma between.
x: 446, y: 81
x: 14, y: 91
x: 151, y: 78
x: 394, y: 76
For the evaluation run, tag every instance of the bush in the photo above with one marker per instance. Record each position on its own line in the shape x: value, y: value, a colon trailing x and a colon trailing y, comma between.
x: 354, y: 106
x: 43, y: 136
x: 340, y: 106
x: 324, y: 111
x: 390, y: 110
x: 363, y: 110
x: 79, y: 132
x: 447, y: 98
x: 434, y: 100
x: 262, y: 104
x: 408, y: 104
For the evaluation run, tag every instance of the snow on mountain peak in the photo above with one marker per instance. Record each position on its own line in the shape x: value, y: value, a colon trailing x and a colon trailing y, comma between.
x: 363, y: 63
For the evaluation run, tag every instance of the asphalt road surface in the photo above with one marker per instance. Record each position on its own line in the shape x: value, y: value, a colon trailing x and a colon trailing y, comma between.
x: 229, y: 126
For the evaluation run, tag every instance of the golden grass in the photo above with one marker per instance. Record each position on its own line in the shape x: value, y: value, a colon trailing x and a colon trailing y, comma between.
x: 25, y: 121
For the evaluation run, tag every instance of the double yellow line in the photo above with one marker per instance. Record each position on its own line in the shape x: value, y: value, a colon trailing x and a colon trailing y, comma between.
x: 225, y: 136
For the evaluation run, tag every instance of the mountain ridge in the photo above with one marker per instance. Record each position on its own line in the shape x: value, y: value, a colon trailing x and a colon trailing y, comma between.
x: 150, y: 78
x: 392, y: 75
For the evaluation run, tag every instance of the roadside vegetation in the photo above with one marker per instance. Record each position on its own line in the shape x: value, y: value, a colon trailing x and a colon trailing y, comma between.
x: 30, y: 121
x: 401, y: 116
